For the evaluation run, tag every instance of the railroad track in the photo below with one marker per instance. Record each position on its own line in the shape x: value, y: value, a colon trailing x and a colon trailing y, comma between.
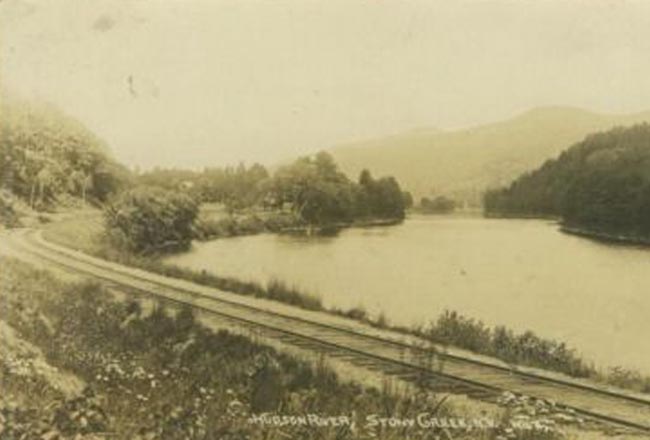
x: 438, y: 370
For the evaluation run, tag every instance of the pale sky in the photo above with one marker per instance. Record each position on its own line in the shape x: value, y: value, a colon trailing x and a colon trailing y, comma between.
x: 195, y: 83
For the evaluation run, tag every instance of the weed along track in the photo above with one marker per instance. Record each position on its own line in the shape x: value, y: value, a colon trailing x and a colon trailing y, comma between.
x: 438, y: 370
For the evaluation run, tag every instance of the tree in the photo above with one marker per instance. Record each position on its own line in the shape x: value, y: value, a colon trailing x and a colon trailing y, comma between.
x: 382, y: 198
x: 365, y: 179
x: 320, y: 193
x: 45, y: 179
x: 439, y: 205
x: 408, y: 199
x: 327, y: 168
x: 43, y: 152
x: 147, y: 219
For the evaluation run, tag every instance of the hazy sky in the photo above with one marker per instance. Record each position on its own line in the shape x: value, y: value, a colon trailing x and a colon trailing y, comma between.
x: 210, y: 82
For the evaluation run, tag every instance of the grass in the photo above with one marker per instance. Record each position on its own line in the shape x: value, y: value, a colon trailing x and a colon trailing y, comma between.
x: 450, y: 328
x: 526, y: 348
x: 83, y: 233
x: 162, y: 374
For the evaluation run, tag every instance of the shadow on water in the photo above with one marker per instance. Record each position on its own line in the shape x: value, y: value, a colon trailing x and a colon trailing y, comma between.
x: 607, y: 240
x: 326, y: 233
x: 319, y: 235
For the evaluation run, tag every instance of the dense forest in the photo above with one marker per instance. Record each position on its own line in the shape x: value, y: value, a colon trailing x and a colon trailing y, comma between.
x: 47, y: 158
x: 601, y: 184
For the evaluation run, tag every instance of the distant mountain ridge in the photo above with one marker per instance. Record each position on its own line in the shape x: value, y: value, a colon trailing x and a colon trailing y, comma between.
x: 599, y: 186
x: 464, y: 163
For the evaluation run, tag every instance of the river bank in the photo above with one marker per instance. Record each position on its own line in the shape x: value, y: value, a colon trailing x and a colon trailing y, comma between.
x: 210, y: 226
x: 605, y: 236
x: 581, y: 231
x: 520, y: 216
x: 337, y: 226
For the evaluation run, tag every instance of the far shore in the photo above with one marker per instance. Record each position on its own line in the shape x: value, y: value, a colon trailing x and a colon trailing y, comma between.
x: 605, y: 236
x: 511, y: 216
x: 602, y: 236
x: 309, y: 229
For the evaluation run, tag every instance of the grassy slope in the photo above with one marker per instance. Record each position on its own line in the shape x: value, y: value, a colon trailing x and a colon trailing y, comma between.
x: 86, y: 234
x: 158, y: 374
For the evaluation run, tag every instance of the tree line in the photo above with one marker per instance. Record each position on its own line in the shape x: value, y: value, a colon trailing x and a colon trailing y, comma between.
x: 236, y: 187
x: 313, y: 186
x: 601, y: 184
x: 162, y: 209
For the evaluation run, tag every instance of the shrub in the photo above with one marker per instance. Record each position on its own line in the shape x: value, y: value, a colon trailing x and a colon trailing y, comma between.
x: 527, y: 348
x: 149, y: 219
x: 358, y: 313
x: 453, y: 328
x: 280, y: 291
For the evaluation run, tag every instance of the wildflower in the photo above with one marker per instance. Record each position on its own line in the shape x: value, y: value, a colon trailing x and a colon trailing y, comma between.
x: 235, y: 404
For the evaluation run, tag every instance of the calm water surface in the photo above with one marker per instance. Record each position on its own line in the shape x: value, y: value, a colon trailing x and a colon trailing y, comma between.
x: 521, y: 273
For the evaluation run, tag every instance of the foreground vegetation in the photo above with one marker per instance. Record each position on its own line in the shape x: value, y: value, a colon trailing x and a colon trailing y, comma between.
x: 601, y: 184
x: 454, y: 329
x: 141, y: 372
x: 523, y: 349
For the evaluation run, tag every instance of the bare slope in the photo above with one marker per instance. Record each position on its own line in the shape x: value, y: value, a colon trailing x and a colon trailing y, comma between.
x: 463, y: 163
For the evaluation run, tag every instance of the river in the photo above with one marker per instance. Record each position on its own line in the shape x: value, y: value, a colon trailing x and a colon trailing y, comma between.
x: 524, y: 274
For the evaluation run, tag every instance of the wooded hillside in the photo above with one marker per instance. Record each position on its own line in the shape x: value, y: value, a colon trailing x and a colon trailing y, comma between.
x: 601, y: 183
x: 48, y: 158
